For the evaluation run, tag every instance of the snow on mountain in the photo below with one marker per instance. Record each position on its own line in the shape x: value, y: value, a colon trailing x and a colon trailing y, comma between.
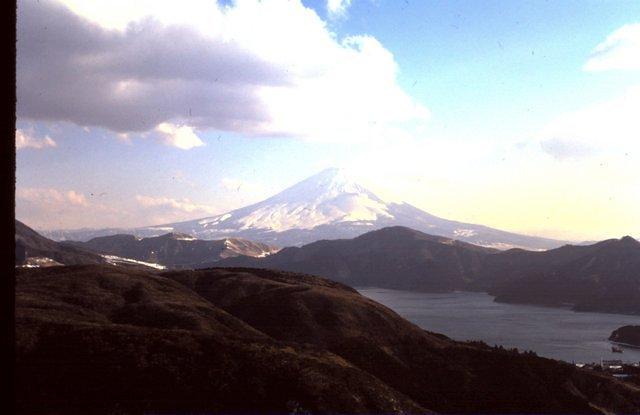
x: 116, y: 260
x: 325, y: 198
x: 328, y: 205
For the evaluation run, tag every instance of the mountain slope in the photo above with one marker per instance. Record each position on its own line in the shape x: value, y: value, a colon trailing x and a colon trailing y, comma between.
x: 109, y: 339
x: 395, y: 257
x: 174, y: 250
x: 328, y: 205
x: 600, y: 277
x: 30, y: 244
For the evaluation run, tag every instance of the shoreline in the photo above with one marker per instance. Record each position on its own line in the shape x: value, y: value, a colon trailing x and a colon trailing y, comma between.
x: 631, y: 346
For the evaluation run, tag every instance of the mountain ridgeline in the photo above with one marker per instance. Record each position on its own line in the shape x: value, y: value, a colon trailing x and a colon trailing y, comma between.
x: 174, y: 250
x: 396, y: 257
x: 104, y: 339
x: 31, y: 245
x: 328, y: 205
x: 601, y: 277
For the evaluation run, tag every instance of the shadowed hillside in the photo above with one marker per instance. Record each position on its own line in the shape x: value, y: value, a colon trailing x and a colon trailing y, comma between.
x: 122, y: 340
x: 601, y: 277
x: 629, y: 335
x: 395, y: 257
x: 30, y: 244
x: 174, y: 250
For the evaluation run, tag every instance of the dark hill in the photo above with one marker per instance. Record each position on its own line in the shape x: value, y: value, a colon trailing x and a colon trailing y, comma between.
x: 394, y: 257
x: 601, y: 277
x: 30, y: 244
x: 174, y: 250
x: 629, y: 335
x: 115, y: 340
x: 106, y: 339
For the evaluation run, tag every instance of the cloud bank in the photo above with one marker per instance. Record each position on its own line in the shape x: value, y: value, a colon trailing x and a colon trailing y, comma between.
x: 267, y: 68
x: 619, y: 51
x: 610, y: 126
x: 51, y: 196
x: 44, y: 207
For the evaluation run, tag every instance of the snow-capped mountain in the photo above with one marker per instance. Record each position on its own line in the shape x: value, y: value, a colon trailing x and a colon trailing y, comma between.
x: 326, y: 198
x: 328, y: 205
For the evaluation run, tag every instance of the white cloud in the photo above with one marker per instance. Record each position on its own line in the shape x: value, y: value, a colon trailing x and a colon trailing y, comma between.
x: 52, y: 208
x: 48, y: 196
x: 356, y: 99
x: 26, y: 139
x: 620, y: 50
x: 255, y: 68
x: 337, y: 8
x: 183, y: 205
x: 182, y: 137
x: 49, y: 208
x: 607, y: 127
x: 76, y: 198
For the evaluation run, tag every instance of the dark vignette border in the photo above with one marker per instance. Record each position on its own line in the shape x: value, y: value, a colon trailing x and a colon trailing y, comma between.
x: 8, y: 161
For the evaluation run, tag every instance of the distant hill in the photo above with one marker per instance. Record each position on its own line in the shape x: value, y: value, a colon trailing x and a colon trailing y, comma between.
x: 31, y: 247
x: 105, y: 339
x: 35, y: 251
x: 394, y: 257
x: 600, y: 277
x: 628, y: 335
x: 328, y: 205
x: 174, y: 250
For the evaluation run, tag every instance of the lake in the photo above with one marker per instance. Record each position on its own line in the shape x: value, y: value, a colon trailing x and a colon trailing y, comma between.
x: 551, y: 332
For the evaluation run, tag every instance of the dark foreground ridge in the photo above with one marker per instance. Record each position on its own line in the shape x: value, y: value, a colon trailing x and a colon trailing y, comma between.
x: 106, y: 339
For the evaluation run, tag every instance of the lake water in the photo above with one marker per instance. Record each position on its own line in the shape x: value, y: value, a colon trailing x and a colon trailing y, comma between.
x: 550, y: 332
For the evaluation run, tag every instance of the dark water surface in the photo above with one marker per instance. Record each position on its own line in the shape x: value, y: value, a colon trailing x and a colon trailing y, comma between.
x: 551, y: 332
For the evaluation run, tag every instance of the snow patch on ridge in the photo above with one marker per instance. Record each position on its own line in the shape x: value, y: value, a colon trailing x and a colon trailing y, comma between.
x: 215, y: 220
x: 116, y: 260
x: 467, y: 233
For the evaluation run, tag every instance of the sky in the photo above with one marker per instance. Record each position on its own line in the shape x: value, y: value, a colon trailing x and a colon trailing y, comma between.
x: 524, y: 116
